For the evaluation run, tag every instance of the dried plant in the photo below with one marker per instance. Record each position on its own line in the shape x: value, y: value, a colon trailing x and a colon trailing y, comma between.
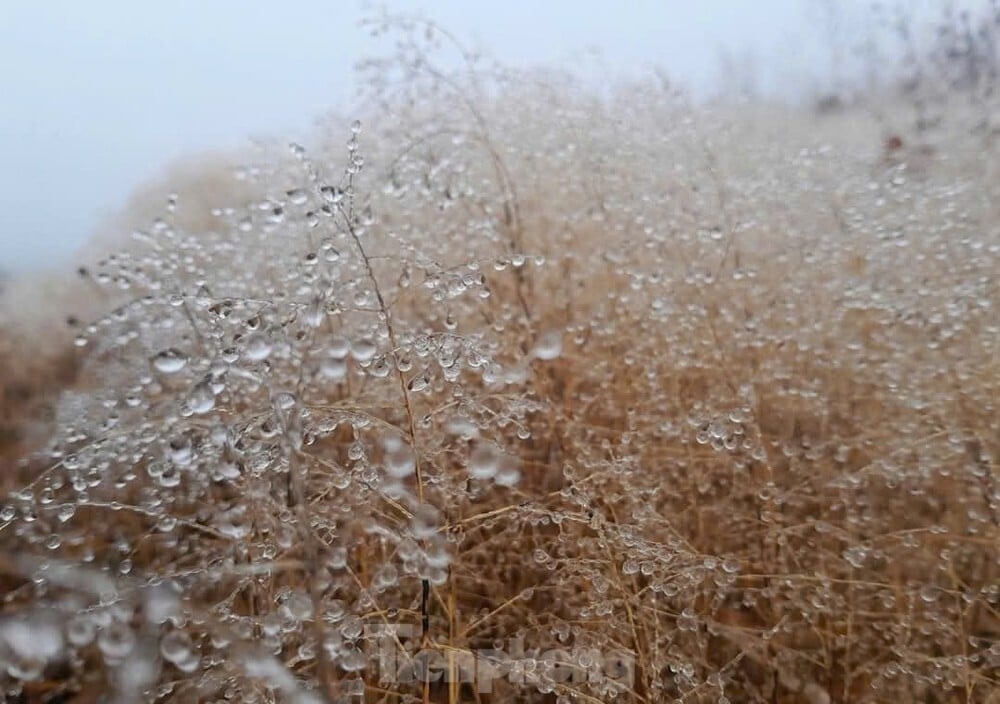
x: 687, y: 405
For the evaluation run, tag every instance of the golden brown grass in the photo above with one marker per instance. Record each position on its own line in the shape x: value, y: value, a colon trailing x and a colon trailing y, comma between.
x: 36, y: 362
x: 761, y: 465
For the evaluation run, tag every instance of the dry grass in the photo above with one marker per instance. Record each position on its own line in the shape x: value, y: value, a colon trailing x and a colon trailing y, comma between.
x: 728, y: 411
x: 36, y: 362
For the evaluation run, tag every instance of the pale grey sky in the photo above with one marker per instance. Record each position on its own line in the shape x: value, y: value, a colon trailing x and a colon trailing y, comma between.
x: 98, y: 95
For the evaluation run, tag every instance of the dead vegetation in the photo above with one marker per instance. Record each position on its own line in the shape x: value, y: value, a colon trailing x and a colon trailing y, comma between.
x: 667, y: 404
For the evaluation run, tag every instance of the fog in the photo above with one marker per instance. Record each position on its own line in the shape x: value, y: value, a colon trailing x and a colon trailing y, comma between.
x: 99, y: 96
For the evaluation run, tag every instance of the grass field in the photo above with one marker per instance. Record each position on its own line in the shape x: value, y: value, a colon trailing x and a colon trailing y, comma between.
x: 662, y: 402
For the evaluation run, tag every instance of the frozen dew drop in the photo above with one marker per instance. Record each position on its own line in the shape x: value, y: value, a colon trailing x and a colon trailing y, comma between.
x: 333, y: 368
x: 548, y: 346
x: 404, y: 363
x: 234, y: 523
x: 380, y: 368
x: 338, y: 347
x: 352, y: 659
x: 80, y: 630
x: 25, y: 669
x: 201, y: 400
x: 436, y: 554
x: 418, y: 383
x: 170, y: 478
x: 176, y: 647
x: 162, y: 601
x: 169, y: 361
x: 856, y: 556
x: 228, y: 469
x: 297, y: 196
x: 219, y: 435
x: 355, y: 452
x: 166, y: 523
x: 425, y: 521
x: 484, y: 461
x: 299, y: 606
x: 257, y: 347
x: 116, y: 641
x: 508, y: 473
x: 400, y: 461
x: 363, y: 349
x: 315, y: 312
x: 436, y: 575
x: 929, y: 593
x: 33, y: 640
x: 386, y: 577
x: 351, y: 627
x: 330, y: 253
x: 180, y: 452
x: 338, y: 558
x: 284, y: 401
x: 189, y: 664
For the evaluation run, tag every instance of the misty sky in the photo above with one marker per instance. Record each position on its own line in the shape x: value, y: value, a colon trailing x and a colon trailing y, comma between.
x: 97, y: 96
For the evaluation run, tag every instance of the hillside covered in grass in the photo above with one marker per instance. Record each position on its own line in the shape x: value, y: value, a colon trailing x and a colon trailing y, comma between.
x: 582, y: 395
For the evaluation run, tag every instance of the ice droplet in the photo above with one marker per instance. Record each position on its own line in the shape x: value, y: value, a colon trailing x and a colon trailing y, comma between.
x: 116, y: 640
x: 169, y: 361
x: 400, y: 462
x: 176, y: 647
x: 258, y: 347
x: 363, y: 350
x: 548, y: 346
x: 484, y: 461
x: 201, y: 400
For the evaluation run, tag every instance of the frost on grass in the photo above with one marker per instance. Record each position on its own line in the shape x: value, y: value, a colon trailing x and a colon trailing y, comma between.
x: 515, y: 361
